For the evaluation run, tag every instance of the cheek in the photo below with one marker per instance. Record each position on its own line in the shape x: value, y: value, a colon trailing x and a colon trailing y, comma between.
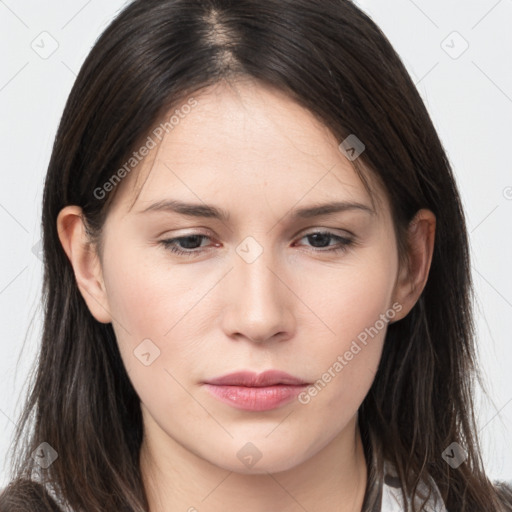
x: 349, y: 297
x: 356, y: 304
x: 155, y: 309
x: 146, y: 295
x: 138, y: 298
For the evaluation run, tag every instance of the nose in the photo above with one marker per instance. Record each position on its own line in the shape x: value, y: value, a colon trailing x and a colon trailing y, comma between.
x: 258, y: 303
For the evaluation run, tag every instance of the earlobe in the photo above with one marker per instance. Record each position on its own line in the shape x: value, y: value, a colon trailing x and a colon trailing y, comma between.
x: 413, y: 277
x: 84, y: 260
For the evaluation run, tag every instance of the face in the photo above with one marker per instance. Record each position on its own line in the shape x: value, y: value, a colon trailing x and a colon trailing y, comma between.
x: 267, y: 284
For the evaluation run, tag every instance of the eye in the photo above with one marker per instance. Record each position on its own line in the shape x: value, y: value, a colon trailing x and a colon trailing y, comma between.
x: 192, y: 244
x: 320, y: 241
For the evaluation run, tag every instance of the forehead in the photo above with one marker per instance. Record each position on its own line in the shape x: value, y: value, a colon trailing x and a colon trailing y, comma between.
x: 245, y: 137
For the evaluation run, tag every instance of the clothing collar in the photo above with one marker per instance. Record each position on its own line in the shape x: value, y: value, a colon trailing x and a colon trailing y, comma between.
x: 392, y: 499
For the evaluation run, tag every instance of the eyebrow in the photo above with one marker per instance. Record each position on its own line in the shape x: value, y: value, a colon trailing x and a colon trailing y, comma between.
x: 210, y: 211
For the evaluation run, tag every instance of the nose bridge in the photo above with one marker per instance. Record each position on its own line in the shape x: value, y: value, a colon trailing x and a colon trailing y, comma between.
x: 257, y: 306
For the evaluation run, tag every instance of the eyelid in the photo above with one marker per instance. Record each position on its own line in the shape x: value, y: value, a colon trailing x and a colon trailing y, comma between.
x: 300, y: 234
x: 334, y: 231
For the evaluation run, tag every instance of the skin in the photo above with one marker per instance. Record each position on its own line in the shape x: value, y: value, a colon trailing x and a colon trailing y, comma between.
x: 256, y: 154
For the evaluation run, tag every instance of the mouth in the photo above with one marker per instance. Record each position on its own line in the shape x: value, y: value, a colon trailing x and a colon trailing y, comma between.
x: 255, y: 392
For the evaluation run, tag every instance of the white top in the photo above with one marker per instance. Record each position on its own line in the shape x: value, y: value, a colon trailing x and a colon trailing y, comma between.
x: 392, y: 500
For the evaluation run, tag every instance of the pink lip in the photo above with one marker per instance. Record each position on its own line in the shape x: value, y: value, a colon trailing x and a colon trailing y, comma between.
x: 255, y: 392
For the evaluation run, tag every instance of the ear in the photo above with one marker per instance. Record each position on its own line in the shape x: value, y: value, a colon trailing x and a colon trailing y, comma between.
x: 85, y: 261
x: 413, y: 276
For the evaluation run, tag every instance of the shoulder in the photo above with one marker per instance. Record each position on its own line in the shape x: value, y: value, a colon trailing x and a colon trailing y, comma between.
x: 392, y: 497
x: 27, y: 496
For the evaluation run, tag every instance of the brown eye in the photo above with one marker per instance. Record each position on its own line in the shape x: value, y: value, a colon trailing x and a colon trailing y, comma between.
x: 185, y: 245
x: 320, y: 240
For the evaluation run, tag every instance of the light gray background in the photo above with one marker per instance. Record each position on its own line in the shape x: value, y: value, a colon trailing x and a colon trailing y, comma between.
x: 469, y: 96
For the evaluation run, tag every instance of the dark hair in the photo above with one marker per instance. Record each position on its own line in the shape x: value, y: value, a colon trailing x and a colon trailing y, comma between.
x: 333, y: 60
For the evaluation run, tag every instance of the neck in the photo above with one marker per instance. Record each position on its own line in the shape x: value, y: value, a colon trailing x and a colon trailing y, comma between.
x: 177, y: 480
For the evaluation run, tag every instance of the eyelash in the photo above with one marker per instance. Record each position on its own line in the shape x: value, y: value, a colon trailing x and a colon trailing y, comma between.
x: 346, y: 243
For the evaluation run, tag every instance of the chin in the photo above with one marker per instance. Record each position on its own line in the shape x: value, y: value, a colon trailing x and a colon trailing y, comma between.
x: 251, y: 461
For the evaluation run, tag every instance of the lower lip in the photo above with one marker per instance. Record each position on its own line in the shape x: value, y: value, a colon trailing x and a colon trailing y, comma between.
x: 255, y: 399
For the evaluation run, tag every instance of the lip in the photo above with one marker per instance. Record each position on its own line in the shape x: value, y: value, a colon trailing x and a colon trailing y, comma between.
x: 255, y: 392
x: 256, y: 380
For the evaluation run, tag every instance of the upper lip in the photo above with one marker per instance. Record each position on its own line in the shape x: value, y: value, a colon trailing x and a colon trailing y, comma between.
x: 251, y: 379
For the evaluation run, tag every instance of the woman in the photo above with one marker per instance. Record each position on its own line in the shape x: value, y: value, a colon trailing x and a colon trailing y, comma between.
x: 257, y: 281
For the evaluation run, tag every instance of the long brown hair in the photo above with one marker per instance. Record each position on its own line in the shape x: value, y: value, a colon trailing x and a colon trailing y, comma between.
x: 333, y: 60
